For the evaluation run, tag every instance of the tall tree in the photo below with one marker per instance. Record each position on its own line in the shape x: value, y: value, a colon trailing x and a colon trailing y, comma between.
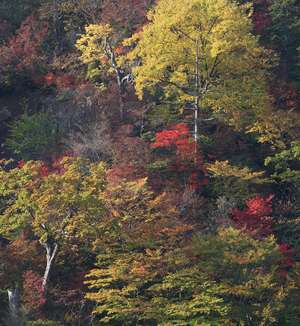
x: 142, y: 232
x: 57, y: 205
x: 202, y: 53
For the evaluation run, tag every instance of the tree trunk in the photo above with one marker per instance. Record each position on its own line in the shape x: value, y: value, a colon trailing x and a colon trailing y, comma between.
x: 197, y: 98
x: 58, y: 26
x: 55, y: 20
x: 121, y: 94
x: 14, y: 305
x: 196, y: 115
x: 119, y: 77
x: 51, y: 251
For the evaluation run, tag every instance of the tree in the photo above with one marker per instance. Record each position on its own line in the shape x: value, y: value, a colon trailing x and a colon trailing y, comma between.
x: 202, y: 53
x: 278, y: 128
x: 236, y: 182
x: 256, y: 219
x: 99, y: 45
x: 284, y: 35
x: 58, y: 205
x: 141, y: 231
x: 188, y: 159
x: 225, y: 278
x: 248, y: 270
x: 285, y: 165
x: 34, y: 136
x: 284, y: 170
x: 22, y: 53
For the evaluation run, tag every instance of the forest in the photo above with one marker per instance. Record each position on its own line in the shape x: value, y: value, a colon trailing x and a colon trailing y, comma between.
x: 150, y: 162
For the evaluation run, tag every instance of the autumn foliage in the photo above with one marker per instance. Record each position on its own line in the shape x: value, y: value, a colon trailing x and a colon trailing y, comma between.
x: 188, y: 158
x: 34, y: 295
x: 61, y: 81
x: 256, y: 218
x: 261, y: 17
x: 23, y: 51
x: 149, y: 162
x: 129, y: 13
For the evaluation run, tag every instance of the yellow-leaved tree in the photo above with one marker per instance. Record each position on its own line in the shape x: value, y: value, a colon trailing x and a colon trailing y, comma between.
x: 100, y: 46
x: 202, y: 53
x: 58, y: 206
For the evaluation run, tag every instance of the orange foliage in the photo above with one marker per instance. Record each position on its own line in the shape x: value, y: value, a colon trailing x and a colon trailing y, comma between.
x: 61, y: 81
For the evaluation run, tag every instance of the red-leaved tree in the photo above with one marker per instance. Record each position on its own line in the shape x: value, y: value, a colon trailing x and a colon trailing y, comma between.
x: 33, y: 292
x: 188, y: 158
x: 22, y: 52
x: 256, y: 217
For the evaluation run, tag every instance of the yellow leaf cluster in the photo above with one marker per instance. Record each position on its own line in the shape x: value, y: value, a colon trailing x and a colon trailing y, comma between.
x: 225, y: 169
x: 232, y: 65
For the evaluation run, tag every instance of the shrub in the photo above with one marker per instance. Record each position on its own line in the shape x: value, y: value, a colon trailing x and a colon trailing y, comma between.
x: 34, y: 136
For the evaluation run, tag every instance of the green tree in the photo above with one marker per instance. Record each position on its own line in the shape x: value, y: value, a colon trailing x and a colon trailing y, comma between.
x: 248, y: 272
x: 284, y: 34
x: 34, y: 136
x: 226, y: 278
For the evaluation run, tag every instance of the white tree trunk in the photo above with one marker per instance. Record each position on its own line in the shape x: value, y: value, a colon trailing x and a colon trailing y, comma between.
x: 13, y: 304
x: 51, y: 251
x: 197, y: 98
x: 119, y: 78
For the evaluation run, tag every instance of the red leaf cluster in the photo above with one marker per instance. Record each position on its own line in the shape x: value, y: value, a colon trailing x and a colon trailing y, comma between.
x: 21, y: 164
x: 120, y: 172
x: 33, y: 292
x: 61, y: 82
x: 288, y: 255
x: 256, y: 217
x: 44, y: 170
x: 23, y: 50
x: 170, y: 136
x: 187, y: 155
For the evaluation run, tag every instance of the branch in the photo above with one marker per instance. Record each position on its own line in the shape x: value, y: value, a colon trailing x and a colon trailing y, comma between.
x: 182, y: 88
